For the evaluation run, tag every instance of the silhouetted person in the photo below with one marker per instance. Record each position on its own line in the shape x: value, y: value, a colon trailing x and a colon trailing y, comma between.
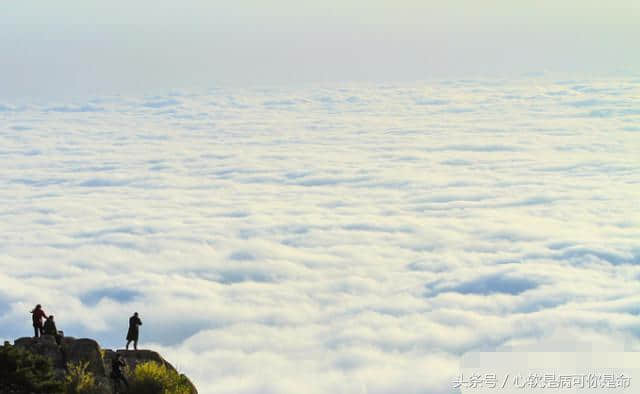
x: 50, y: 329
x: 37, y: 314
x: 132, y: 334
x: 116, y: 372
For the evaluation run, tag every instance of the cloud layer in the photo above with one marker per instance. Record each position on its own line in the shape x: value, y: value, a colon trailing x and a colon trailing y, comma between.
x: 345, y: 239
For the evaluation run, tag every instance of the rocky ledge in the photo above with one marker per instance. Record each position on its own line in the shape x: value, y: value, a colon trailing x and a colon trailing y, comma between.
x: 72, y: 350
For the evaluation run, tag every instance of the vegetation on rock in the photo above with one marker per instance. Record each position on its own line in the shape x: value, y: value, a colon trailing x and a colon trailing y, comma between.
x: 154, y: 378
x: 39, y: 366
x: 24, y: 372
x: 79, y: 380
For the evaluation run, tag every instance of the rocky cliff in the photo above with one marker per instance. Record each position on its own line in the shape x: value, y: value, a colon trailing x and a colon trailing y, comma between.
x: 72, y: 350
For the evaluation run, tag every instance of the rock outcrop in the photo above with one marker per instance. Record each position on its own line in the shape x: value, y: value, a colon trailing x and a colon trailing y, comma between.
x: 72, y: 350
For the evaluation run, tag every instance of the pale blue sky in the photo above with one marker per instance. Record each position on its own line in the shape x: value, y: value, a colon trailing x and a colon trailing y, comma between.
x: 79, y: 47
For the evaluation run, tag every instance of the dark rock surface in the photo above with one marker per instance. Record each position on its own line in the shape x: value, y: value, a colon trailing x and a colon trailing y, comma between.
x: 135, y: 357
x: 72, y: 350
x: 45, y: 346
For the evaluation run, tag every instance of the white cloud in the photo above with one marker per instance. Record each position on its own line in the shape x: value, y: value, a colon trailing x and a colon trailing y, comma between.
x: 355, y: 239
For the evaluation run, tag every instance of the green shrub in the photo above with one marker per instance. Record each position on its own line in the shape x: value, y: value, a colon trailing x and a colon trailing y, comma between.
x: 154, y: 378
x: 24, y: 372
x: 80, y: 381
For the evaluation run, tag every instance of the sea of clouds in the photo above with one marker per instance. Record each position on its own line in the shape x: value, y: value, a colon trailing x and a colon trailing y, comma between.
x: 344, y: 239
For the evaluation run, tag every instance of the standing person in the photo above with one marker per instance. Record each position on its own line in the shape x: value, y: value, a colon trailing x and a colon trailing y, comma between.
x: 116, y: 372
x: 37, y: 314
x: 132, y: 334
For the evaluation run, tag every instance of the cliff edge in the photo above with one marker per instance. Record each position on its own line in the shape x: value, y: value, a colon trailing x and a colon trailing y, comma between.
x: 72, y: 350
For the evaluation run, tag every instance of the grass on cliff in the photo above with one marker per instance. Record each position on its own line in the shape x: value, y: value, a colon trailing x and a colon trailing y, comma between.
x: 78, y: 380
x: 147, y: 378
x: 24, y: 372
x: 154, y: 378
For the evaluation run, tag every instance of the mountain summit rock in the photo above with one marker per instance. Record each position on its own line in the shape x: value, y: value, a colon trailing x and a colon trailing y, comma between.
x: 85, y: 350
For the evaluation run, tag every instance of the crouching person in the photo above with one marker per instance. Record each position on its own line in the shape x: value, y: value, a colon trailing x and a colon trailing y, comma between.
x: 51, y: 329
x: 116, y: 373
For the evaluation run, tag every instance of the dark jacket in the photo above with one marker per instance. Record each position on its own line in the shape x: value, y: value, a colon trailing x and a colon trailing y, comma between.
x: 132, y: 334
x: 116, y: 366
x: 50, y: 327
